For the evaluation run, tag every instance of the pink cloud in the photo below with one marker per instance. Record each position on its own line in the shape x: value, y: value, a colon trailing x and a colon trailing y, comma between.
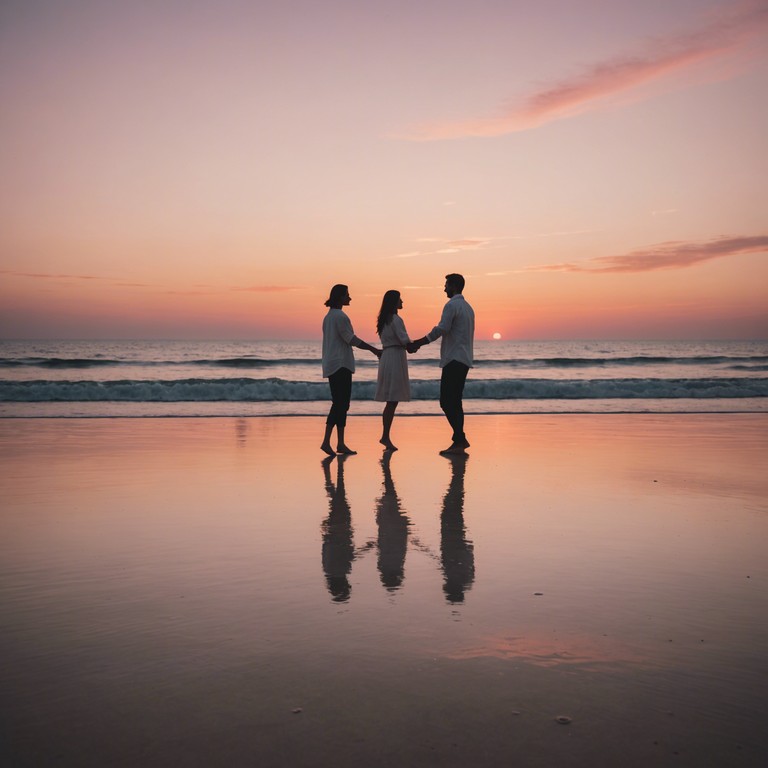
x: 270, y: 288
x: 609, y: 78
x: 48, y: 276
x: 674, y: 255
x: 448, y: 246
x: 194, y: 290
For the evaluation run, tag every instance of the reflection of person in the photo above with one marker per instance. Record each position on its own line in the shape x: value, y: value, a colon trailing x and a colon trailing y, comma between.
x: 393, y: 531
x: 339, y: 365
x: 457, y: 555
x: 392, y: 385
x: 457, y: 329
x: 338, y: 549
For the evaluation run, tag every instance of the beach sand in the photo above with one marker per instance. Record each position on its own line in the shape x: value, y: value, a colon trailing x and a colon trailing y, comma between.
x: 210, y: 592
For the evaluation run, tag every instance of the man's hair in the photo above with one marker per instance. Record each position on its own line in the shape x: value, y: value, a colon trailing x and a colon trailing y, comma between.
x: 456, y: 280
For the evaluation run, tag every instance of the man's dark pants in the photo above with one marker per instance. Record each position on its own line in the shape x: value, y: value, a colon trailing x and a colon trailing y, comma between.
x: 451, y: 391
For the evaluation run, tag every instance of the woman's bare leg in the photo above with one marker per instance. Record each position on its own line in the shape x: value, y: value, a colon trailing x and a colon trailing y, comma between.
x: 387, y: 417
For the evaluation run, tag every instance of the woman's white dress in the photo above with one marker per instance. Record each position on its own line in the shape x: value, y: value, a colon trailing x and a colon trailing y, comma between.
x: 393, y: 383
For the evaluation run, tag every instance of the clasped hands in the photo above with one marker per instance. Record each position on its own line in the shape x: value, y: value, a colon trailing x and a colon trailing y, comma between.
x: 413, y: 346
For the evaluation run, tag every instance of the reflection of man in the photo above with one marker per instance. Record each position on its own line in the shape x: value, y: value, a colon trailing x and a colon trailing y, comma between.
x: 338, y: 549
x: 457, y: 329
x: 393, y: 531
x: 457, y: 555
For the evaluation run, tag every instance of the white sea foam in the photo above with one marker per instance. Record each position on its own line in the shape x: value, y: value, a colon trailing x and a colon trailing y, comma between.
x: 279, y: 390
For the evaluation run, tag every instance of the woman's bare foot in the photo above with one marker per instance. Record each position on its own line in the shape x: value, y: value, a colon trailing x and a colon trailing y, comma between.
x: 345, y: 450
x: 327, y: 448
x: 388, y: 444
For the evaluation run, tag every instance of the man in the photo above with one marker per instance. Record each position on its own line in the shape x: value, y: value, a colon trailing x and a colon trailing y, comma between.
x: 457, y: 330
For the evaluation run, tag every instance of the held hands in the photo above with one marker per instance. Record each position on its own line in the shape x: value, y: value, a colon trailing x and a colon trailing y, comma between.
x: 412, y: 347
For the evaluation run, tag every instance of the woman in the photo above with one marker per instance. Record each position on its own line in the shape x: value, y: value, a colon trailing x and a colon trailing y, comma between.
x: 393, y: 384
x: 339, y: 365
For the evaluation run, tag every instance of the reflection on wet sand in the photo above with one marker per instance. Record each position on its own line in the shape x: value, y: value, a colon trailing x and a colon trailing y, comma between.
x: 590, y: 652
x: 456, y: 560
x: 393, y: 531
x: 241, y: 432
x: 457, y: 555
x: 338, y: 549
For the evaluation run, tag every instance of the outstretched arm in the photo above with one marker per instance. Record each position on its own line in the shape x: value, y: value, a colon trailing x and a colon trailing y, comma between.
x: 349, y: 336
x: 446, y: 320
x: 360, y: 344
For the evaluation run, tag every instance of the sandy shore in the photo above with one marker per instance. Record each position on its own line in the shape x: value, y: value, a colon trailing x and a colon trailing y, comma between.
x: 210, y: 592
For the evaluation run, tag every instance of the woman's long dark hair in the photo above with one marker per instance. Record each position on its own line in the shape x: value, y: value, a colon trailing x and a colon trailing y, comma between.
x: 388, y: 309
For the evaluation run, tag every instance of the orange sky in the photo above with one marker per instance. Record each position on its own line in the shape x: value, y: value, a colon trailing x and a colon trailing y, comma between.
x: 198, y: 170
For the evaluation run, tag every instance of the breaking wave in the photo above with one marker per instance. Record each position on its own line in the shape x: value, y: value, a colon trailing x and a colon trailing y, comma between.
x: 274, y: 389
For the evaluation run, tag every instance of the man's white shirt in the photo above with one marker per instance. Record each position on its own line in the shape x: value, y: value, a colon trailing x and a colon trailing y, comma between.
x: 456, y: 330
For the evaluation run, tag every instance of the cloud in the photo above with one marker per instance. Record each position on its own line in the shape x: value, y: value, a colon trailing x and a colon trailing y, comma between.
x: 269, y: 288
x: 60, y: 276
x: 49, y: 276
x: 605, y: 79
x: 447, y: 246
x: 673, y: 255
x: 480, y: 243
x: 193, y: 290
x: 468, y: 243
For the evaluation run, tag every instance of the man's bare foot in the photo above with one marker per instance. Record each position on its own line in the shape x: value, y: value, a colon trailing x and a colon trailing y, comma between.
x: 388, y: 445
x: 327, y: 448
x: 455, y: 450
x: 345, y: 450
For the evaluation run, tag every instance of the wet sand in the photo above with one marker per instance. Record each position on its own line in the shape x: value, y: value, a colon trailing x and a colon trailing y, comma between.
x: 210, y: 592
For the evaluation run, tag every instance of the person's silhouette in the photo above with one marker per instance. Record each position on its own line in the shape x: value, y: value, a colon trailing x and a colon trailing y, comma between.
x: 393, y: 531
x: 457, y: 557
x: 338, y: 550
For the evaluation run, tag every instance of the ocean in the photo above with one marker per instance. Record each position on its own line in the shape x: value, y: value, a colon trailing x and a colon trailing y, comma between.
x: 261, y: 378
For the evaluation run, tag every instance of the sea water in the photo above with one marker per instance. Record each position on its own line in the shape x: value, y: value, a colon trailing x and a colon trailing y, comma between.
x: 261, y: 378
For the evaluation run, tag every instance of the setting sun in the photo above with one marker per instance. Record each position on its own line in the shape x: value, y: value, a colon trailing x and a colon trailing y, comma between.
x: 496, y: 336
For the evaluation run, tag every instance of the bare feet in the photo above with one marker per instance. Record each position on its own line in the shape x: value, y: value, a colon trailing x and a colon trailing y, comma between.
x: 388, y: 445
x: 327, y: 448
x: 345, y: 450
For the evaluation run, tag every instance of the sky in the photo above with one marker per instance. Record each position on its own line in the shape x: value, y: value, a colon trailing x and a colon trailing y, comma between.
x: 192, y: 169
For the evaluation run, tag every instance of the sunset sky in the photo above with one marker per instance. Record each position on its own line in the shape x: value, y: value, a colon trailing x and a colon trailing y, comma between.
x: 597, y: 169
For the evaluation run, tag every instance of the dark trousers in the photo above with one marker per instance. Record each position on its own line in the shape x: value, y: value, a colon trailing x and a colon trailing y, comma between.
x: 341, y: 393
x: 451, y: 391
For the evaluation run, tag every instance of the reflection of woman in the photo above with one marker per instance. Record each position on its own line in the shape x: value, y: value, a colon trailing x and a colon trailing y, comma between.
x: 338, y: 549
x: 393, y: 384
x: 339, y: 365
x: 393, y: 532
x: 456, y: 551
